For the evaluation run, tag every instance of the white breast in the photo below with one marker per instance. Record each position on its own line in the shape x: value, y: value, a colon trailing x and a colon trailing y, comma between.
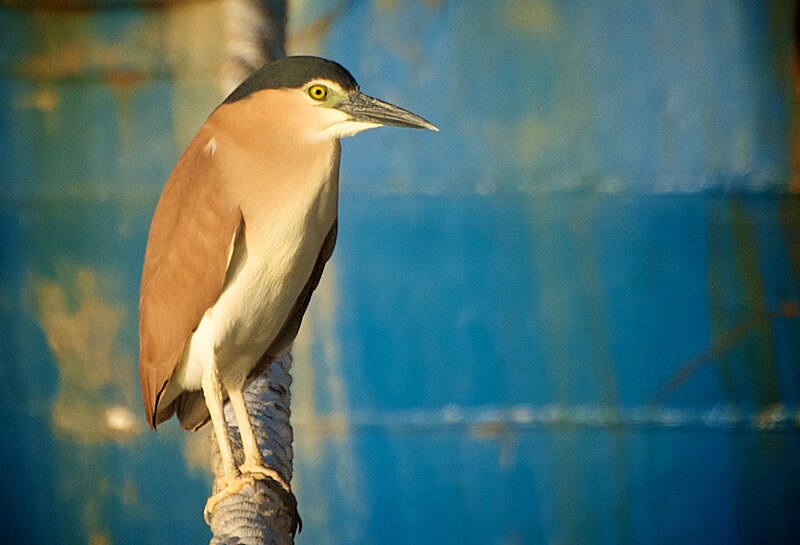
x: 282, y: 244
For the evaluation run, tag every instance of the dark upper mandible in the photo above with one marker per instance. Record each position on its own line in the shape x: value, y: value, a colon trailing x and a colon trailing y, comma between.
x: 292, y: 72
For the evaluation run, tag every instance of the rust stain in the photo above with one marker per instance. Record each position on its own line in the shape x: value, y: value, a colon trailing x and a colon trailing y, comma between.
x: 124, y: 79
x: 488, y: 430
x: 769, y: 417
x: 789, y: 309
x: 184, y: 39
x: 65, y: 48
x: 96, y: 383
x: 762, y: 369
x: 744, y: 337
x: 59, y: 63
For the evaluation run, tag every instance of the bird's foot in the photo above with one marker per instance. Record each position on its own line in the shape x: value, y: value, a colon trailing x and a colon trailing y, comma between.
x: 232, y: 486
x: 261, y: 472
x: 251, y: 474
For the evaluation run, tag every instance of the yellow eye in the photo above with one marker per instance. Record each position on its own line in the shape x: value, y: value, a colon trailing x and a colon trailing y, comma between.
x: 318, y: 92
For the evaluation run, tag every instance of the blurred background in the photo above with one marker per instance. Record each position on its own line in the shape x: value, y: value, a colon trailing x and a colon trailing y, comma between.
x: 573, y: 316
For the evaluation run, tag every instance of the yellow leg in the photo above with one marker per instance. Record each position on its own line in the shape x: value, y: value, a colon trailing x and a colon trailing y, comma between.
x: 232, y: 480
x: 253, y: 461
x: 212, y: 391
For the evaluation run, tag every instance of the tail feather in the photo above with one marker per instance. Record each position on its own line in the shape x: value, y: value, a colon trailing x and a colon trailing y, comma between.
x: 190, y: 407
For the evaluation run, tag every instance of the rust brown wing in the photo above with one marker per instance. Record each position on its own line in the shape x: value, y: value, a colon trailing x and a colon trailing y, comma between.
x: 184, y: 267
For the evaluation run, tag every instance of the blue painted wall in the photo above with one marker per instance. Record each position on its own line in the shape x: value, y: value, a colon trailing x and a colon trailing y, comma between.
x: 573, y: 316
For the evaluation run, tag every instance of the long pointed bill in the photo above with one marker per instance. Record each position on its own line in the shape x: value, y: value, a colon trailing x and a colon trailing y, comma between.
x: 366, y: 109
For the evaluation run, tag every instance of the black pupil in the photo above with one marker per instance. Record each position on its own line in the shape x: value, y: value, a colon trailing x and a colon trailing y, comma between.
x: 318, y: 92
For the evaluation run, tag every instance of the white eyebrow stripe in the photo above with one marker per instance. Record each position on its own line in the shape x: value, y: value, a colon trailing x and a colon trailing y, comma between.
x: 327, y: 83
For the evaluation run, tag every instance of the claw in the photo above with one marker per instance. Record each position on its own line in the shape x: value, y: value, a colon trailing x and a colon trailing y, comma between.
x: 234, y: 486
x: 260, y: 471
x: 250, y: 474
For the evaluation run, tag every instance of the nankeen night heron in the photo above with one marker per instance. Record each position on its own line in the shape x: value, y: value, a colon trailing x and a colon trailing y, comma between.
x: 238, y: 242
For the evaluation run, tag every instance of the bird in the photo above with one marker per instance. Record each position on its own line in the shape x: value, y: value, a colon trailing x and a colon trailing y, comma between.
x: 239, y: 240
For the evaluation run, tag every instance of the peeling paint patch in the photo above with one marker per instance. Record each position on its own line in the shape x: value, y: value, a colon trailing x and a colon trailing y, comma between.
x: 386, y: 5
x: 96, y: 381
x: 45, y: 100
x: 536, y: 18
x: 535, y: 136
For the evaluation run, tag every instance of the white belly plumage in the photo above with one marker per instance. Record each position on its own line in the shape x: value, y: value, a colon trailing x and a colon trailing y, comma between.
x: 259, y: 296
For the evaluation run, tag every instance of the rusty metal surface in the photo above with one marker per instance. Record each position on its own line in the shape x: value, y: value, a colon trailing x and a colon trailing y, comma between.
x: 570, y: 317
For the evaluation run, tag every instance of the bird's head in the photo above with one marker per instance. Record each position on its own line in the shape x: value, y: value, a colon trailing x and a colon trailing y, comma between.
x: 322, y: 98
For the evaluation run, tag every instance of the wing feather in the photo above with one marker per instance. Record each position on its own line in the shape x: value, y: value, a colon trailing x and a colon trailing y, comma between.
x: 185, y: 264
